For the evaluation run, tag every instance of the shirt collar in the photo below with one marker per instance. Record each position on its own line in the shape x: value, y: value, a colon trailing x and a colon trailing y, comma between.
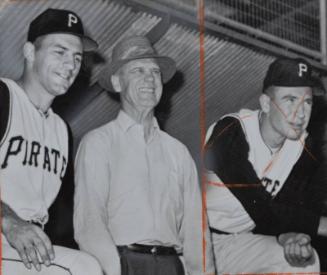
x: 126, y: 122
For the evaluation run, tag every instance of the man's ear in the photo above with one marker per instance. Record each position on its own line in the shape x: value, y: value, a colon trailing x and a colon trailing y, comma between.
x: 265, y: 101
x: 29, y: 52
x: 115, y: 81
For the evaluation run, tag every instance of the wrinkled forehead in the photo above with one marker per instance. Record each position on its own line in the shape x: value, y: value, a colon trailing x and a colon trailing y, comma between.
x: 143, y: 62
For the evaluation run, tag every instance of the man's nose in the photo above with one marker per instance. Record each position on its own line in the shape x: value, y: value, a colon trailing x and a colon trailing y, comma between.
x: 69, y: 62
x: 149, y: 76
x: 300, y: 111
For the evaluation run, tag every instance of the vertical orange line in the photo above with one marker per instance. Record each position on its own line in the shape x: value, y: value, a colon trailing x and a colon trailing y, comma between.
x: 202, y: 125
x: 3, y: 3
x: 2, y: 6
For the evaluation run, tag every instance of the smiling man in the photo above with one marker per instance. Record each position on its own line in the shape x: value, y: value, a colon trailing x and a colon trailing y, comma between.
x: 262, y: 194
x: 34, y: 147
x: 138, y: 202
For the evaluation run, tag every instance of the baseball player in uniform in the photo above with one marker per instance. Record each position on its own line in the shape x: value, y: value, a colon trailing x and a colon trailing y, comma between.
x: 261, y: 197
x: 34, y: 147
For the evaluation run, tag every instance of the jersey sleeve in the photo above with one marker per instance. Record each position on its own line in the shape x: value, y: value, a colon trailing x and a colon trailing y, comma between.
x: 227, y: 155
x: 4, y: 109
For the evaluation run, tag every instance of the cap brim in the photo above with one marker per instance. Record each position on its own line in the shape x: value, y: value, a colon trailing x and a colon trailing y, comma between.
x: 89, y: 44
x: 291, y: 83
x: 318, y: 88
x: 166, y: 64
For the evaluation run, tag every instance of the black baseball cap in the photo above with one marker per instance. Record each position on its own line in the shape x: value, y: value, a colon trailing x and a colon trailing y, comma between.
x: 287, y: 72
x: 60, y: 21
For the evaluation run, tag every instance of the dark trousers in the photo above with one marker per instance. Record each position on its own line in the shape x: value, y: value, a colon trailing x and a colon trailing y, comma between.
x: 136, y: 263
x: 320, y: 244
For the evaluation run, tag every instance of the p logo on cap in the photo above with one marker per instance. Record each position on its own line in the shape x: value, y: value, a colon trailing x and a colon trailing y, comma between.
x: 303, y: 68
x: 288, y: 72
x: 72, y: 19
x: 59, y: 21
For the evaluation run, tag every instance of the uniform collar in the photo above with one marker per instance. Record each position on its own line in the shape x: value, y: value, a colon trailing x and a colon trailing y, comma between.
x: 45, y: 114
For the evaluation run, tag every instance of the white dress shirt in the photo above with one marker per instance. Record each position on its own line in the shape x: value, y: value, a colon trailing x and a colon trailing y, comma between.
x: 132, y: 191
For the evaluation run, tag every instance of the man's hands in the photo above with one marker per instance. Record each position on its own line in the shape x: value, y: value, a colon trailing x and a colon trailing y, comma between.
x: 297, y: 249
x: 30, y: 241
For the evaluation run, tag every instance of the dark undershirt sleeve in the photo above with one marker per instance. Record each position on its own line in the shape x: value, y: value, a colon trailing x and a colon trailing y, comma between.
x: 316, y: 194
x: 60, y: 225
x: 227, y: 155
x: 4, y: 109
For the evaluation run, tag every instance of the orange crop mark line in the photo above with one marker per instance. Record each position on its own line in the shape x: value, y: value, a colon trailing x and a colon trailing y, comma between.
x: 234, y: 185
x: 0, y: 234
x: 24, y: 0
x: 298, y: 106
x: 301, y: 101
x: 269, y: 166
x: 201, y: 18
x: 3, y: 4
x: 271, y: 163
x: 304, y: 147
x: 225, y: 129
x: 280, y: 273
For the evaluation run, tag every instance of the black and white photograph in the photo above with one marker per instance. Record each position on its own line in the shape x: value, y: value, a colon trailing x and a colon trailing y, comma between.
x: 163, y: 137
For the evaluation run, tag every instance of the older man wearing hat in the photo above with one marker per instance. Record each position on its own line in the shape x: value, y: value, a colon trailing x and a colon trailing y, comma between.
x: 262, y: 199
x: 138, y: 203
x: 35, y: 147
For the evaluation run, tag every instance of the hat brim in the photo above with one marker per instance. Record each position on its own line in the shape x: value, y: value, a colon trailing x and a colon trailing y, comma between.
x: 283, y: 83
x: 315, y: 85
x: 88, y: 43
x: 166, y: 64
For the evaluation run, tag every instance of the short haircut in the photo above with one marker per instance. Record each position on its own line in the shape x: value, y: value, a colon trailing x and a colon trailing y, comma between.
x: 38, y: 42
x: 270, y: 91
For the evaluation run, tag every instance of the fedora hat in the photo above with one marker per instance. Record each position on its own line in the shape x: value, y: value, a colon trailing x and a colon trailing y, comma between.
x: 132, y: 48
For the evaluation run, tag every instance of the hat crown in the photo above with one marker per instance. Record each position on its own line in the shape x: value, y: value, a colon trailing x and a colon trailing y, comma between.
x: 53, y: 21
x: 132, y: 48
x: 289, y: 73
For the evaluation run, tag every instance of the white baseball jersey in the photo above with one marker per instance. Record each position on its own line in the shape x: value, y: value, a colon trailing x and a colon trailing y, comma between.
x: 273, y: 168
x: 225, y: 212
x: 33, y: 157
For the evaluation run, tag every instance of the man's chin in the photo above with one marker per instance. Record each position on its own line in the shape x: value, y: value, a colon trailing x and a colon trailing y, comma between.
x: 294, y: 136
x: 62, y: 89
x: 62, y: 85
x: 59, y: 92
